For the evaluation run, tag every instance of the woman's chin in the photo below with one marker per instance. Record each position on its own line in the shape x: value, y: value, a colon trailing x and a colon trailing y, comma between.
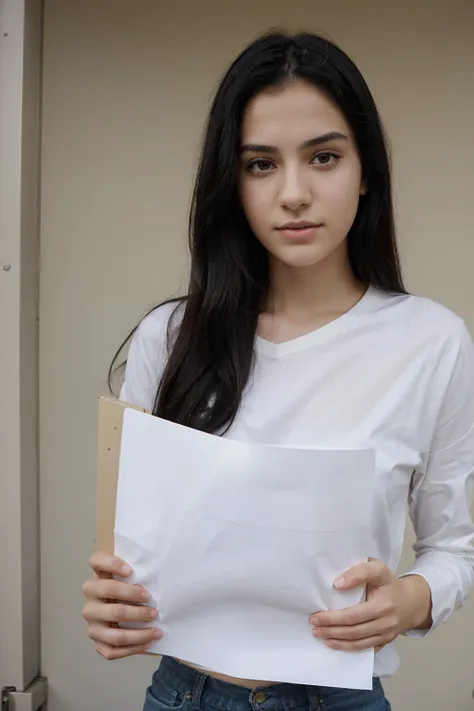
x: 300, y: 258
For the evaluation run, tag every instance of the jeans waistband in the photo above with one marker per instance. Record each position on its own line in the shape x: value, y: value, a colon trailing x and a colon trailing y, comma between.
x: 200, y: 688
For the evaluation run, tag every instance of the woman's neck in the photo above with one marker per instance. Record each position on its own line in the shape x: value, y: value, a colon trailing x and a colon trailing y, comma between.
x: 307, y: 294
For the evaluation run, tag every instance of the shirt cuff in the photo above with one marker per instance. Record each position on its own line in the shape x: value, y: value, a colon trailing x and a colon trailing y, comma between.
x: 447, y: 593
x: 420, y: 633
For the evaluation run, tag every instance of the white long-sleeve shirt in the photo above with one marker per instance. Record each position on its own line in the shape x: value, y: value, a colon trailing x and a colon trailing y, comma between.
x: 395, y: 373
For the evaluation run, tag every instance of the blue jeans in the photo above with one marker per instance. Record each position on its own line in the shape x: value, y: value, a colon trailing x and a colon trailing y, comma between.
x: 177, y: 687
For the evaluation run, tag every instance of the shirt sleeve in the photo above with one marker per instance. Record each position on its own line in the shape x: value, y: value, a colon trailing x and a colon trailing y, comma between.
x: 146, y: 359
x: 441, y: 499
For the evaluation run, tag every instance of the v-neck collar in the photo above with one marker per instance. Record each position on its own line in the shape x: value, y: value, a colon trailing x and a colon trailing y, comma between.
x: 307, y: 340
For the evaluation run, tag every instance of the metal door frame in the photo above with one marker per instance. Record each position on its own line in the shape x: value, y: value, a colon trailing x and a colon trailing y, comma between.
x: 20, y: 104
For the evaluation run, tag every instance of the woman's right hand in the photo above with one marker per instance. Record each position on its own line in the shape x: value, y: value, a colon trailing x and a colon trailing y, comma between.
x: 109, y: 602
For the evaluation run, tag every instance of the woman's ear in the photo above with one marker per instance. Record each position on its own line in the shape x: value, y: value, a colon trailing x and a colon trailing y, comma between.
x: 363, y: 188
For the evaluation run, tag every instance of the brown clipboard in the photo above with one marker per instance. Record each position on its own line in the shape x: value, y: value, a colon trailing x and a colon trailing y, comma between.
x: 108, y: 457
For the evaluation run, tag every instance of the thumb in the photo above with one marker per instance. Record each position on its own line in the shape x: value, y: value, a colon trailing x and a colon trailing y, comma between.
x: 372, y: 572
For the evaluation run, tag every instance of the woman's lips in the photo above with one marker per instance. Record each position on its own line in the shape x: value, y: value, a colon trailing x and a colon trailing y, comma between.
x: 300, y: 232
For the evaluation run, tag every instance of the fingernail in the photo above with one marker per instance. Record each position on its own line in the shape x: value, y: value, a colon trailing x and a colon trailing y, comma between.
x: 317, y: 633
x: 126, y: 570
x: 314, y: 621
x: 158, y: 634
x: 340, y: 582
x: 153, y: 614
x: 145, y: 596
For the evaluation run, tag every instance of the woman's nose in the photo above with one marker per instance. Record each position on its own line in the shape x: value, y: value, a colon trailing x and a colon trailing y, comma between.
x: 295, y: 190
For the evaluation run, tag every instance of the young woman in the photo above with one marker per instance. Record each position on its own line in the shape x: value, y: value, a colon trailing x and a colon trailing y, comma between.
x: 297, y: 330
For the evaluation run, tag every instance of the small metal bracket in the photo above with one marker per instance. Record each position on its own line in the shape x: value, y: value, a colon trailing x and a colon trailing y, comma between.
x: 5, y: 698
x: 31, y: 699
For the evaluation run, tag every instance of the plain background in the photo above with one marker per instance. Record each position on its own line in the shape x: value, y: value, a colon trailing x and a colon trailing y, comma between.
x: 126, y: 89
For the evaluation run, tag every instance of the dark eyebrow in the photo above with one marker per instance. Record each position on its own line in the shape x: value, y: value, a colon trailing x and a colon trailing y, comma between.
x: 318, y: 140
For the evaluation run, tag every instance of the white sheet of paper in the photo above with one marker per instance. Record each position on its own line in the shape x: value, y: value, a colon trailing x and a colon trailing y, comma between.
x: 238, y: 543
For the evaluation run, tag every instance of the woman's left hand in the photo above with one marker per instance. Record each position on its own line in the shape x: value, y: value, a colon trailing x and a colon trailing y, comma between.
x: 393, y: 605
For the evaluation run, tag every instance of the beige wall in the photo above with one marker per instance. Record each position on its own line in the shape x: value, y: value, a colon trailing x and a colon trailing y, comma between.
x: 126, y: 90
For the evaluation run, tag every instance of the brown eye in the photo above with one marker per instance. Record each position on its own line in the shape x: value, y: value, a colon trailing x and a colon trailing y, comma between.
x: 327, y: 158
x: 259, y: 166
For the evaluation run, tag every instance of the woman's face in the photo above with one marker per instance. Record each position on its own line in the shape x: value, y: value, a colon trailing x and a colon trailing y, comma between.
x: 299, y: 162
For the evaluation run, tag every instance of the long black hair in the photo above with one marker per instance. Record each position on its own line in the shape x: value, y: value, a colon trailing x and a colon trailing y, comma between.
x: 211, y: 354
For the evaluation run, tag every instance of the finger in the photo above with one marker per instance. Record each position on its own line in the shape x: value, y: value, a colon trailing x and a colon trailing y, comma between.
x: 355, y: 615
x: 105, y: 564
x: 372, y: 572
x: 110, y: 653
x: 369, y: 629
x: 96, y: 611
x: 109, y: 589
x: 116, y: 637
x: 357, y: 645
